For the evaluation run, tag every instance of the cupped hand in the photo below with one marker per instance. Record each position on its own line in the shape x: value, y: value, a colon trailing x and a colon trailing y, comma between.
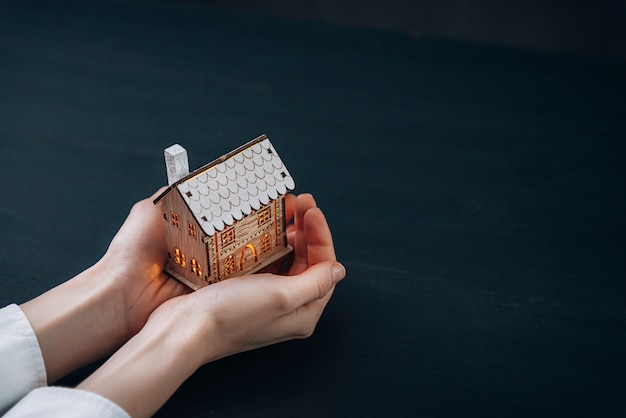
x: 228, y: 317
x: 252, y: 311
x: 135, y: 260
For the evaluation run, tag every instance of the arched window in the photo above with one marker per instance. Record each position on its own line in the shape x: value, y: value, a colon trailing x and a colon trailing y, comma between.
x: 247, y: 251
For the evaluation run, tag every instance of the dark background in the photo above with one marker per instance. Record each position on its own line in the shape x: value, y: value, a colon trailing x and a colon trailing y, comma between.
x: 475, y: 190
x: 574, y: 26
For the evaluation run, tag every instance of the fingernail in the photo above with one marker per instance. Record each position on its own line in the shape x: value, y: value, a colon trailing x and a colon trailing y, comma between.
x: 338, y: 272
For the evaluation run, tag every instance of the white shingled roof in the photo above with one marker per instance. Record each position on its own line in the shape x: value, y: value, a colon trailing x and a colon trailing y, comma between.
x: 227, y: 191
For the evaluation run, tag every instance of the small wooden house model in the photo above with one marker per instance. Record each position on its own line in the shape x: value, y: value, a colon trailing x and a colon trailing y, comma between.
x: 226, y: 218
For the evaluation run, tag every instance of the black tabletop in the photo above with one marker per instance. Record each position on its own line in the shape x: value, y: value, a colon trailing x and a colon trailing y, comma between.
x: 476, y: 195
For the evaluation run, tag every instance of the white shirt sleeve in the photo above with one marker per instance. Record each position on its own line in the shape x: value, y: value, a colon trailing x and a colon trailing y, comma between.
x: 21, y: 363
x: 66, y: 403
x: 23, y: 378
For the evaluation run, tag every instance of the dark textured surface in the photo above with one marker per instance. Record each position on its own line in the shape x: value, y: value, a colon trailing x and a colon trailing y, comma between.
x: 476, y: 195
x: 574, y: 26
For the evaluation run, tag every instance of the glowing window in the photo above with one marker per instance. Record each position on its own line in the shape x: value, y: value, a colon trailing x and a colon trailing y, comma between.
x: 228, y: 237
x: 266, y: 244
x: 245, y: 254
x: 192, y: 230
x: 195, y: 267
x: 264, y: 216
x: 175, y: 220
x: 229, y: 265
x: 179, y: 258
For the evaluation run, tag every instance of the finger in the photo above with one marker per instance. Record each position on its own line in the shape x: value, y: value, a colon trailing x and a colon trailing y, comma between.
x: 314, y: 283
x: 319, y: 240
x: 143, y: 224
x: 304, y: 202
x: 147, y: 213
x: 291, y: 235
x: 290, y: 204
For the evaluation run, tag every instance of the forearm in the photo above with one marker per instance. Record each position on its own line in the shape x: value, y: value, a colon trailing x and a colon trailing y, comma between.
x: 77, y: 322
x: 229, y: 317
x: 142, y: 375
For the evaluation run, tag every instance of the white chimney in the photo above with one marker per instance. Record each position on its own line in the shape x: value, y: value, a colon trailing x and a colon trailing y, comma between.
x: 176, y: 163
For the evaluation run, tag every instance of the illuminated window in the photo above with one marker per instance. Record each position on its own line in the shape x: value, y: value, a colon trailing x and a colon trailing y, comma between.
x: 228, y: 237
x: 179, y: 258
x: 195, y: 267
x: 264, y: 216
x: 266, y: 244
x: 192, y: 230
x: 229, y: 265
x: 175, y: 220
x: 245, y: 254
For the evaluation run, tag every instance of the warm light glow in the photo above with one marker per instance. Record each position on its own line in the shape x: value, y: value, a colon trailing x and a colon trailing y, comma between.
x: 155, y: 270
x: 266, y: 244
x: 264, y: 216
x: 229, y: 265
x: 175, y: 219
x: 228, y: 237
x: 192, y: 230
x: 243, y: 253
x: 179, y: 258
x: 195, y: 267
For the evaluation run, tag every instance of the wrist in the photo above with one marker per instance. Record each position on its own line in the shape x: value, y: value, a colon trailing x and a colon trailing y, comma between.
x: 113, y: 299
x: 72, y: 322
x: 185, y: 335
x: 154, y: 363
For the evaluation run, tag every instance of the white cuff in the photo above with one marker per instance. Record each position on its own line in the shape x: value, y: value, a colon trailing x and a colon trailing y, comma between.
x: 66, y: 403
x: 21, y: 364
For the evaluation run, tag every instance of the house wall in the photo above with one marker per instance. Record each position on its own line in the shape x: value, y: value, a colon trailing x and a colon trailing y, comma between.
x: 191, y: 264
x: 237, y: 249
x: 234, y: 251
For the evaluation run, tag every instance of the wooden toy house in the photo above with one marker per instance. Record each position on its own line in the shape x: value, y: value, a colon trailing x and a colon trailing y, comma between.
x: 227, y: 218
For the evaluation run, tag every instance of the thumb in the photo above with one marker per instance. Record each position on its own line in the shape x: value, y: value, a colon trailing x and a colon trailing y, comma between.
x: 316, y: 281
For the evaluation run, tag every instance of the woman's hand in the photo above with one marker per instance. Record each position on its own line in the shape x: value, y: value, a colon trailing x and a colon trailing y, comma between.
x: 94, y: 313
x: 138, y: 252
x: 134, y: 262
x: 228, y: 317
x: 252, y: 311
